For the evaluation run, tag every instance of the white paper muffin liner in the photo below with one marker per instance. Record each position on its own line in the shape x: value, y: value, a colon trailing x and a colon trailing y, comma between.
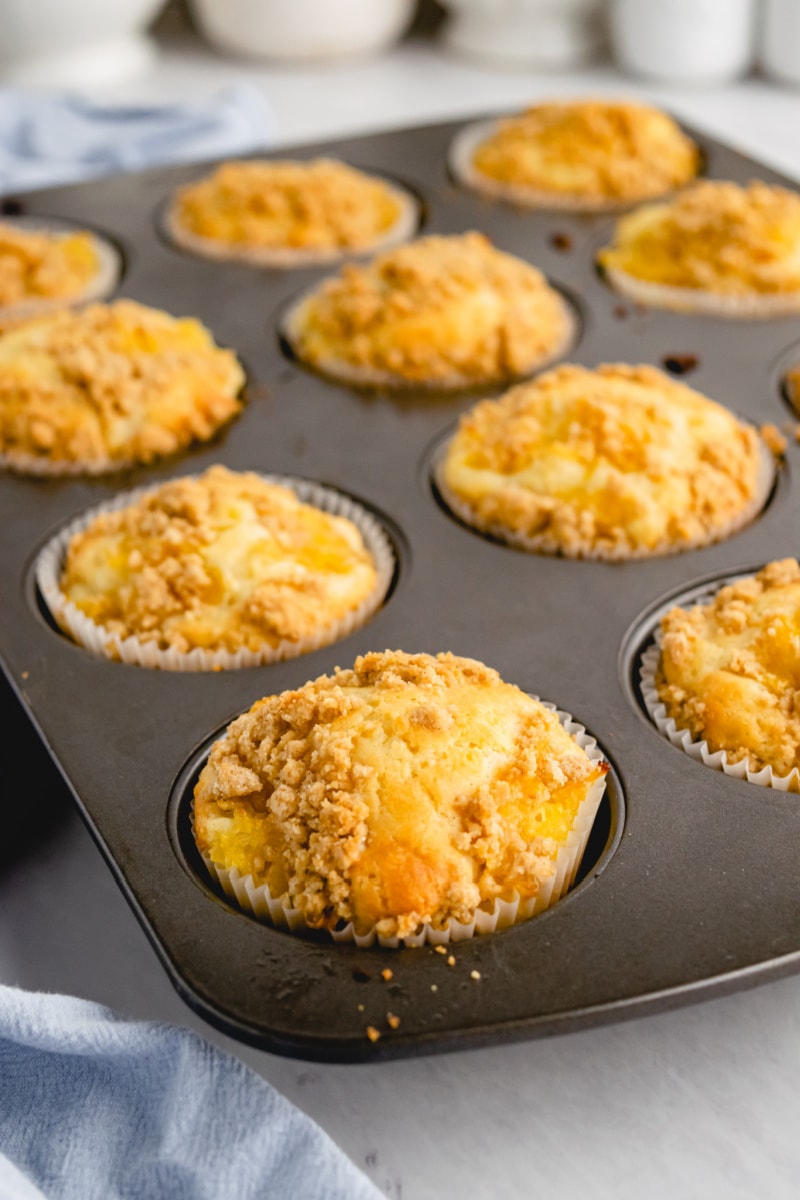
x: 258, y: 900
x: 105, y: 644
x: 291, y: 329
x: 461, y: 163
x: 45, y: 468
x: 404, y: 227
x: 546, y: 543
x: 756, y: 306
x: 105, y: 280
x: 696, y: 748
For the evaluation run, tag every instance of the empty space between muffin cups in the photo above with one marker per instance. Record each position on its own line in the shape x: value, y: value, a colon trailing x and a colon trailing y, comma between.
x: 698, y: 749
x: 259, y: 901
x: 104, y: 643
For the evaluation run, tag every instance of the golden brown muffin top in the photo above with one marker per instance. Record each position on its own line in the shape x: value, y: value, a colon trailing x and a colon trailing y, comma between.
x: 442, y: 310
x: 594, y: 150
x: 409, y: 789
x: 111, y: 384
x: 282, y: 203
x: 37, y: 265
x: 612, y: 462
x: 730, y: 669
x: 223, y: 561
x: 714, y: 236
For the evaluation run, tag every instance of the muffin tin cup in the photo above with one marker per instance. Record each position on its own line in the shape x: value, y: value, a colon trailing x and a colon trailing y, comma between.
x: 756, y: 306
x: 106, y: 644
x: 102, y: 284
x: 545, y: 543
x: 45, y: 468
x: 462, y: 168
x: 258, y: 899
x: 404, y: 227
x: 696, y: 748
x: 364, y: 376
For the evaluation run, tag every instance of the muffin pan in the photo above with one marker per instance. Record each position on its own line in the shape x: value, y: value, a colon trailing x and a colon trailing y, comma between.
x: 689, y: 884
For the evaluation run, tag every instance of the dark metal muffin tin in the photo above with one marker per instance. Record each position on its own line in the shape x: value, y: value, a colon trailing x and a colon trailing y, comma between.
x: 691, y: 882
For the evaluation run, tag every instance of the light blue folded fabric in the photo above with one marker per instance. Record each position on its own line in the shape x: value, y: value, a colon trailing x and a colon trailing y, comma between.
x: 49, y: 138
x: 93, y: 1107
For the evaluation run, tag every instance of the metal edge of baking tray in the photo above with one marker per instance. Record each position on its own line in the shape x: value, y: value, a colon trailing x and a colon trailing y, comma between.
x: 690, y: 889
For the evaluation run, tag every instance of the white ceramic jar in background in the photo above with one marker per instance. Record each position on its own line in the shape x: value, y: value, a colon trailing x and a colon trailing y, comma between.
x: 302, y: 30
x: 779, y: 49
x: 684, y: 41
x: 66, y: 43
x: 525, y: 33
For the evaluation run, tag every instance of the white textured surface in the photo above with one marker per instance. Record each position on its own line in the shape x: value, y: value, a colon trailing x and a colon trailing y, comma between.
x: 700, y: 1103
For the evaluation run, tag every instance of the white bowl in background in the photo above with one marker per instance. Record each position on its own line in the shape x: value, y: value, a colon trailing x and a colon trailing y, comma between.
x: 779, y: 50
x: 65, y: 43
x: 684, y: 41
x: 302, y: 30
x: 552, y: 34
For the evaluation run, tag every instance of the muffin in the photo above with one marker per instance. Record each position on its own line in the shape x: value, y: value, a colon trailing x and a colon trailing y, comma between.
x: 716, y: 248
x: 44, y: 268
x: 83, y: 392
x: 580, y: 154
x: 221, y: 570
x: 287, y: 213
x: 440, y: 312
x: 728, y: 676
x: 617, y: 462
x: 401, y: 799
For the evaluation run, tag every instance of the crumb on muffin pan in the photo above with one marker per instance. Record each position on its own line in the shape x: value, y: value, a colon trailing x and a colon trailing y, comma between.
x: 688, y: 882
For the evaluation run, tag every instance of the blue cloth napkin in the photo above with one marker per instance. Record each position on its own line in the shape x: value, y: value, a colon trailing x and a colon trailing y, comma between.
x: 50, y: 138
x: 94, y: 1107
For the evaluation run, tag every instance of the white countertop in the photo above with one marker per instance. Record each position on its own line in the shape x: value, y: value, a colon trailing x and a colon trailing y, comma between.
x: 700, y: 1102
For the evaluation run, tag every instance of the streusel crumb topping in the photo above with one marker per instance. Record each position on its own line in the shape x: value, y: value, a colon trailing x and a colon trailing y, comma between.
x: 409, y: 789
x: 440, y: 310
x: 222, y: 561
x: 730, y: 669
x: 113, y: 384
x: 303, y: 205
x: 615, y: 461
x: 591, y: 149
x: 716, y: 237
